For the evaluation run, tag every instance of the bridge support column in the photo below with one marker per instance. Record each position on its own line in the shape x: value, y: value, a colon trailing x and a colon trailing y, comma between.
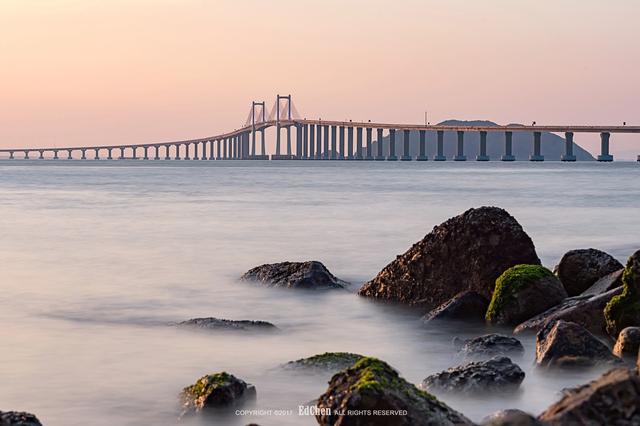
x: 186, y: 151
x: 195, y: 151
x: 97, y: 156
x: 146, y: 152
x: 508, y: 147
x: 253, y: 142
x: 11, y: 155
x: 604, y: 148
x: 84, y: 154
x: 341, y: 152
x: 406, y: 154
x: 121, y: 154
x: 26, y: 155
x: 380, y: 155
x: 359, y: 143
x: 204, y: 150
x: 177, y: 147
x: 166, y: 152
x: 422, y: 156
x: 218, y: 149
x: 460, y: 154
x: 325, y: 154
x: 312, y: 139
x: 568, y: 148
x: 536, y: 156
x: 135, y: 152
x: 289, y: 141
x: 157, y: 156
x: 483, y: 147
x: 212, y: 155
x: 263, y: 143
x: 55, y: 154
x: 440, y: 148
x: 334, y: 142
x: 109, y: 157
x: 369, y: 155
x: 41, y: 157
x: 278, y: 138
x: 69, y: 157
x: 299, y: 154
x: 349, y: 143
x: 305, y: 142
x: 392, y: 145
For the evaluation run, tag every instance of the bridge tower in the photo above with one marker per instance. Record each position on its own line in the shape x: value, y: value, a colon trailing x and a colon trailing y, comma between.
x: 287, y: 108
x: 262, y: 118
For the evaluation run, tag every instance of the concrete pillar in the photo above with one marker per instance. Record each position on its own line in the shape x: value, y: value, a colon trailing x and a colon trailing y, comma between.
x: 568, y: 147
x: 325, y: 154
x: 334, y: 142
x: 341, y: 151
x: 604, y: 148
x: 312, y: 139
x: 195, y: 151
x: 460, y: 153
x: 392, y: 145
x: 359, y: 143
x: 305, y: 142
x: 157, y: 156
x: 369, y: 155
x: 55, y: 154
x: 166, y: 152
x: 41, y: 157
x: 186, y: 151
x: 218, y: 149
x: 10, y: 155
x: 234, y: 147
x: 483, y: 147
x: 84, y: 154
x: 177, y: 147
x: 97, y: 156
x: 212, y: 155
x: 349, y: 155
x: 536, y: 156
x: 146, y: 152
x: 109, y: 157
x: 406, y: 153
x: 253, y: 143
x: 508, y: 147
x: 440, y: 148
x: 26, y: 155
x: 380, y: 155
x: 289, y: 140
x: 135, y: 154
x: 422, y: 156
x: 69, y: 157
x: 204, y: 150
x: 278, y: 138
x: 263, y: 142
x: 299, y: 154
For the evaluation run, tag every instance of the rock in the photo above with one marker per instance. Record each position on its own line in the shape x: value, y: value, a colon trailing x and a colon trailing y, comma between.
x: 16, y: 418
x: 306, y: 275
x: 371, y: 384
x: 328, y: 361
x: 624, y: 310
x: 563, y: 343
x: 467, y: 252
x: 612, y: 399
x: 510, y: 418
x: 490, y: 345
x: 580, y: 269
x: 584, y: 310
x: 605, y: 284
x: 628, y: 342
x: 468, y: 305
x: 215, y: 391
x: 218, y: 324
x: 522, y: 292
x: 498, y: 374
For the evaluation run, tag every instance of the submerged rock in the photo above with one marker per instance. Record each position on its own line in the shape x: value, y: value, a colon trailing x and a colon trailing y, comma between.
x: 218, y: 324
x: 18, y: 418
x: 580, y: 269
x: 215, y: 391
x: 490, y: 345
x: 371, y: 385
x: 522, y: 292
x: 467, y: 252
x: 303, y: 275
x: 498, y: 374
x: 510, y: 418
x: 628, y: 342
x: 604, y: 284
x: 565, y: 343
x: 612, y: 399
x: 328, y: 361
x: 624, y: 310
x: 468, y: 305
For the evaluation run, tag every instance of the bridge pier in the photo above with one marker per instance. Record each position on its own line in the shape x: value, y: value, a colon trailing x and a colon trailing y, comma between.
x: 341, y: 154
x: 177, y: 147
x: 108, y: 154
x: 157, y: 156
x: 369, y: 155
x: 440, y: 147
x: 84, y: 152
x: 349, y: 153
x: 97, y: 154
x: 422, y: 155
x: 482, y: 156
x: 211, y: 151
x: 325, y: 154
x: 358, y: 143
x: 392, y: 145
x: 121, y: 154
x: 334, y: 142
x: 508, y: 147
x: 55, y: 154
x: 536, y: 156
x: 11, y: 155
x: 135, y: 153
x: 380, y: 155
x: 218, y: 149
x: 312, y: 139
x: 568, y: 148
x: 318, y: 151
x: 41, y: 157
x: 26, y: 154
x: 299, y: 154
x: 69, y: 157
x: 186, y: 151
x: 406, y: 154
x: 305, y: 142
x: 195, y: 151
x: 460, y: 153
x: 604, y: 148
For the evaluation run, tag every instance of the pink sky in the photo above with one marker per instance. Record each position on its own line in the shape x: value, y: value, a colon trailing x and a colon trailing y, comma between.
x: 131, y: 71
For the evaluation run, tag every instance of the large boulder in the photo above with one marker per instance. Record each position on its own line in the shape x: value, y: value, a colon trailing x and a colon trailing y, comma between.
x: 628, y: 342
x: 373, y: 394
x: 522, y: 292
x: 580, y: 269
x: 510, y: 418
x: 565, y: 343
x: 18, y: 418
x: 215, y: 391
x: 326, y: 362
x: 490, y: 345
x: 304, y: 275
x: 218, y: 324
x: 497, y: 374
x: 624, y: 310
x: 612, y: 399
x: 467, y: 252
x: 465, y: 306
x: 604, y: 284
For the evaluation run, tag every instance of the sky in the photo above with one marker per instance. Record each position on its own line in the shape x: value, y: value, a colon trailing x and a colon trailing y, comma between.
x: 83, y: 72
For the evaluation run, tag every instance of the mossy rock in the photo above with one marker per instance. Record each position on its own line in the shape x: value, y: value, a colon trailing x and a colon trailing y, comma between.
x: 328, y: 361
x: 522, y: 292
x: 624, y: 310
x: 215, y: 391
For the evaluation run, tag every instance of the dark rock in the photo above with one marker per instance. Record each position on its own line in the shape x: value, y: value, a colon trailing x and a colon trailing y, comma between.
x: 522, y: 292
x: 215, y: 391
x: 612, y: 399
x: 628, y: 342
x: 580, y: 269
x: 468, y: 305
x: 510, y: 418
x: 490, y: 345
x: 305, y: 275
x: 498, y: 374
x: 604, y: 284
x: 328, y: 361
x: 372, y: 384
x: 563, y: 343
x: 624, y: 310
x: 16, y: 418
x: 218, y: 324
x: 584, y: 310
x: 467, y: 252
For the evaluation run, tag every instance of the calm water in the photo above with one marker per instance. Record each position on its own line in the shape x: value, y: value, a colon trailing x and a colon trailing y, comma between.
x: 98, y: 258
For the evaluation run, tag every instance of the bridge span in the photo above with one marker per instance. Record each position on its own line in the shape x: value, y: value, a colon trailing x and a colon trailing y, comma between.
x: 323, y: 140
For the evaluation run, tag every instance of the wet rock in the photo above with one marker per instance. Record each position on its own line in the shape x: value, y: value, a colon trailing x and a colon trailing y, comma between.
x: 588, y: 311
x: 215, y: 391
x: 628, y: 342
x: 218, y: 324
x: 467, y: 306
x: 497, y: 374
x: 565, y: 343
x: 580, y: 269
x: 510, y: 418
x: 467, y: 252
x: 604, y: 284
x: 490, y: 345
x: 522, y: 292
x: 624, y: 310
x: 612, y: 399
x: 17, y: 418
x: 328, y: 361
x: 303, y: 275
x: 371, y: 385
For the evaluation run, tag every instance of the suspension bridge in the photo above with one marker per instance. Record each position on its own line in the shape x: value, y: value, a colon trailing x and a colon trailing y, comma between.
x: 310, y: 139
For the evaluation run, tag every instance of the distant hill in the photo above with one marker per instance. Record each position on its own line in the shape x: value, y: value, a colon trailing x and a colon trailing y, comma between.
x: 552, y: 146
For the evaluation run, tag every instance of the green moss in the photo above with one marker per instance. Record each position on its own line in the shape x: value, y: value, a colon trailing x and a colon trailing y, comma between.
x: 327, y: 361
x: 623, y: 310
x: 208, y: 384
x: 510, y: 283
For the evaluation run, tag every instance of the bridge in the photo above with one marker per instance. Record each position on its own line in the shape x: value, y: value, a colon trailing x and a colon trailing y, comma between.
x: 322, y: 140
